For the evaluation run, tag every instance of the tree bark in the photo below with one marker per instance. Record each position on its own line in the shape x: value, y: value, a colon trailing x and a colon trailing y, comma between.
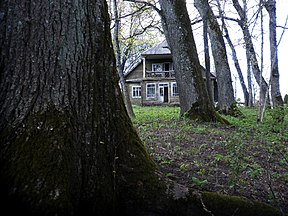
x: 207, y: 57
x: 234, y: 56
x: 67, y: 145
x: 249, y: 80
x: 194, y: 99
x: 226, y: 102
x: 276, y: 97
x: 60, y: 101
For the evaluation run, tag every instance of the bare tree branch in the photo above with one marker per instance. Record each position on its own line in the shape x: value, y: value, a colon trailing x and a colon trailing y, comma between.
x: 146, y: 3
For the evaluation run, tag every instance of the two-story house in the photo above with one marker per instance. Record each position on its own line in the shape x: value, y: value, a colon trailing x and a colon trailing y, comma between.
x: 152, y: 81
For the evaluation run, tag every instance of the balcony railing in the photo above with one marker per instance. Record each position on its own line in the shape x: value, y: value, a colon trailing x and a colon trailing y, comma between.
x: 160, y: 74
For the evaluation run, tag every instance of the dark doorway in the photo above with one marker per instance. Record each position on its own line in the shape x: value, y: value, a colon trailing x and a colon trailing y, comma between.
x: 166, y: 94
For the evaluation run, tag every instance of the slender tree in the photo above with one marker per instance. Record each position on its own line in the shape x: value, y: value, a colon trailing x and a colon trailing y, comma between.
x: 67, y: 144
x: 207, y: 56
x: 234, y: 55
x: 225, y: 89
x: 120, y: 67
x: 276, y: 97
x: 243, y: 22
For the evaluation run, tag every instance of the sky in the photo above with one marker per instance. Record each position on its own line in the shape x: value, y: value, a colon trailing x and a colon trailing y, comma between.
x: 236, y: 35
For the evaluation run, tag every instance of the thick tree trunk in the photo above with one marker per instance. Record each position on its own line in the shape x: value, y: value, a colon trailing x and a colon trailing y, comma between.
x: 194, y: 99
x: 62, y: 117
x: 67, y: 144
x: 226, y: 102
x: 276, y: 97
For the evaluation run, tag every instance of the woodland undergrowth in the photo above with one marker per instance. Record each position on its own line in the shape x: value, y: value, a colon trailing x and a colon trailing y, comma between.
x: 247, y: 159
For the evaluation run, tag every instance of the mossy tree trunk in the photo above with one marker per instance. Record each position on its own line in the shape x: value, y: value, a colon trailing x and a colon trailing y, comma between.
x: 226, y: 102
x: 67, y: 144
x: 62, y: 118
x: 194, y: 99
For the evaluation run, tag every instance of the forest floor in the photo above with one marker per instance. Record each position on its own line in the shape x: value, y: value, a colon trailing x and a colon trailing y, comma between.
x: 247, y: 159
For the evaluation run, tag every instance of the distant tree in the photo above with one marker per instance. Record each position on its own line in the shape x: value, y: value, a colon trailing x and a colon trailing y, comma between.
x: 276, y: 97
x: 118, y: 56
x: 234, y: 55
x: 207, y: 56
x: 250, y: 50
x: 226, y: 100
x: 67, y: 144
x: 286, y: 99
x: 131, y: 27
x: 194, y: 99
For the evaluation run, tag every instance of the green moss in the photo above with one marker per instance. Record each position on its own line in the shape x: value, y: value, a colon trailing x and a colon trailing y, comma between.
x: 205, y: 114
x: 232, y: 205
x: 40, y: 163
x: 233, y: 110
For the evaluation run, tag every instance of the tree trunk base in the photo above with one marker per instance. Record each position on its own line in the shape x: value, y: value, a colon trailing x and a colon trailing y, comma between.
x: 201, y: 114
x: 233, y: 110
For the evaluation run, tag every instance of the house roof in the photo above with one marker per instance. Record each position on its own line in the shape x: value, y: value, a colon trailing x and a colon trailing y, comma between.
x: 159, y: 49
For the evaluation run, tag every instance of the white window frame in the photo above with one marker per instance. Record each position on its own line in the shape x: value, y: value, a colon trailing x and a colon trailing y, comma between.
x: 173, y: 93
x: 148, y: 96
x: 139, y: 91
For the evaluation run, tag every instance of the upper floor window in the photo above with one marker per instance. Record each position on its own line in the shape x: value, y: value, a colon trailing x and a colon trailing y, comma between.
x: 159, y: 67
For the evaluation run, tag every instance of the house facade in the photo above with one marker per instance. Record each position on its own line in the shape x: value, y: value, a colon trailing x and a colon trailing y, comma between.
x: 152, y: 81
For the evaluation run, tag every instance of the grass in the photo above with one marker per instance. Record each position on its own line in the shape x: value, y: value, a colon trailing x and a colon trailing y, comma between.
x: 248, y: 158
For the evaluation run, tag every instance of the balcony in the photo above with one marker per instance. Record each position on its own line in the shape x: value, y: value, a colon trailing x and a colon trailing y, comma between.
x: 160, y: 74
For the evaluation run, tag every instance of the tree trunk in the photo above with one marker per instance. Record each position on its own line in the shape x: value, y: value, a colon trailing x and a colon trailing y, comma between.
x: 249, y: 80
x: 62, y: 119
x: 194, y: 99
x: 276, y: 97
x: 226, y: 102
x: 118, y: 61
x: 207, y: 58
x: 234, y: 56
x: 250, y: 50
x: 67, y: 144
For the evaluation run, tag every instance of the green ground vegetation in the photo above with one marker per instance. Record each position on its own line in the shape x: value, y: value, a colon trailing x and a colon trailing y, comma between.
x: 248, y: 158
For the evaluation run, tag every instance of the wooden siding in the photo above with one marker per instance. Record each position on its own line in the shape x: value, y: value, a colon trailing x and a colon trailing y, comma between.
x: 136, y: 74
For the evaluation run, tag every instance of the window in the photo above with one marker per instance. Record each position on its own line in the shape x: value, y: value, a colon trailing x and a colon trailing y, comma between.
x: 157, y: 67
x: 151, y: 90
x: 136, y: 91
x: 174, y: 89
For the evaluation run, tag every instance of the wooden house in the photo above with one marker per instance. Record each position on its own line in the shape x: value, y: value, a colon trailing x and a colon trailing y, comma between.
x: 152, y: 81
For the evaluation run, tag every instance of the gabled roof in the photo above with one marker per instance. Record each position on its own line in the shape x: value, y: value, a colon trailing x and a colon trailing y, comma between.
x: 159, y: 49
x: 131, y: 69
